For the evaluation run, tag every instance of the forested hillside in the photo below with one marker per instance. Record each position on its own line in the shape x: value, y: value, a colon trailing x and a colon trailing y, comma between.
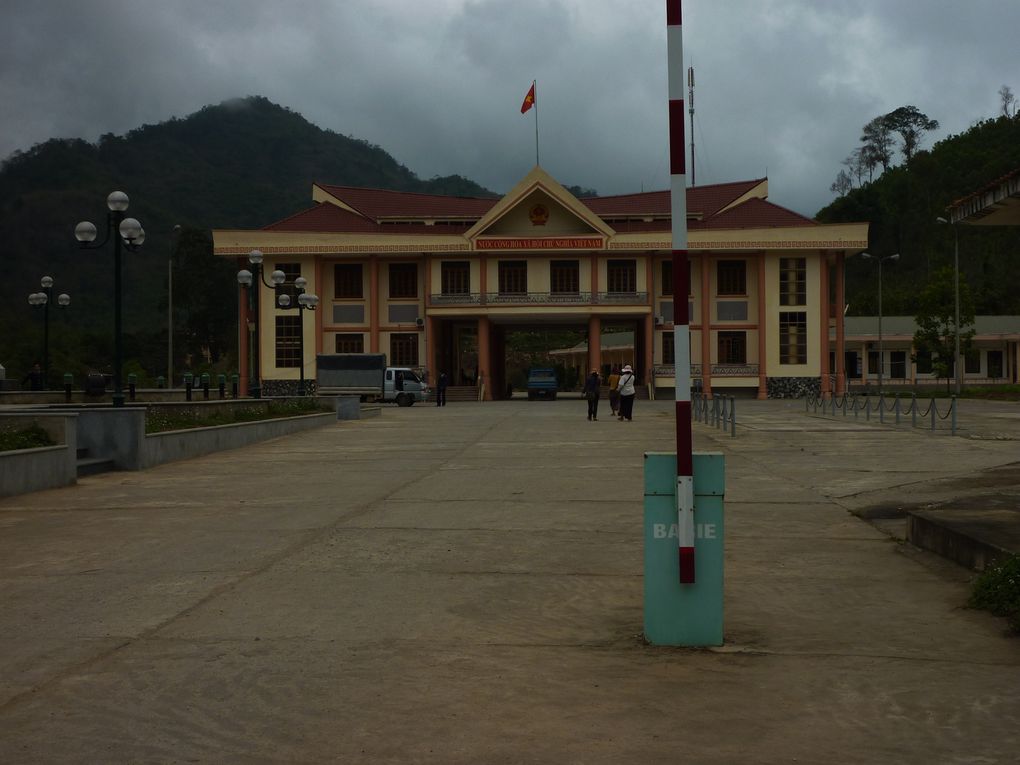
x: 242, y: 163
x: 902, y: 204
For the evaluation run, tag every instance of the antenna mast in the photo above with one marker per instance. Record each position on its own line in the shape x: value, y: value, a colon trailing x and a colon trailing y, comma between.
x: 690, y: 108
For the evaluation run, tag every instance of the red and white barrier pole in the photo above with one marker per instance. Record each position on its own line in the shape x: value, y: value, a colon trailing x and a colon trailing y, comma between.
x: 681, y: 289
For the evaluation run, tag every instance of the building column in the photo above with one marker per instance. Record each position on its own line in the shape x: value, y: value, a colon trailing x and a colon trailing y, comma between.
x: 373, y: 305
x: 318, y: 313
x: 706, y: 327
x: 594, y: 277
x: 840, y: 323
x: 484, y: 356
x: 594, y: 344
x: 244, y: 338
x: 826, y: 310
x: 483, y: 278
x: 431, y: 361
x: 763, y: 388
x: 649, y: 355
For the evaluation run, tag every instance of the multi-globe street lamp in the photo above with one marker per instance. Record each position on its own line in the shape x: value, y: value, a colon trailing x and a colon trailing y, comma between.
x: 881, y: 353
x: 42, y: 300
x: 305, y: 302
x: 250, y: 280
x: 956, y: 301
x: 126, y: 232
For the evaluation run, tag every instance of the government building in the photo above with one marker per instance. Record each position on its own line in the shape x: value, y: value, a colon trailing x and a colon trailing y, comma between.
x: 436, y: 283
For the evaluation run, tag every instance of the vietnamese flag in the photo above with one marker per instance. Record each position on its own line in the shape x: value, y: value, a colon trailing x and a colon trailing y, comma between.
x: 529, y: 100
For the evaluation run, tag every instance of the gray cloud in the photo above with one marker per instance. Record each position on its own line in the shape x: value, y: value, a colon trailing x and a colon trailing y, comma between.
x: 783, y: 87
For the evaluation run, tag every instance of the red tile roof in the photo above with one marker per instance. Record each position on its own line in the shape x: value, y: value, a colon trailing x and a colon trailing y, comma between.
x: 624, y: 212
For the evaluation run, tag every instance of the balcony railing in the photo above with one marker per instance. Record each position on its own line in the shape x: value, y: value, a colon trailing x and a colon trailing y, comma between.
x: 528, y: 298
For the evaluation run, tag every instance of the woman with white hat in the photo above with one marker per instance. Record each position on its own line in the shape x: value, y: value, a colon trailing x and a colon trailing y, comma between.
x: 627, y: 392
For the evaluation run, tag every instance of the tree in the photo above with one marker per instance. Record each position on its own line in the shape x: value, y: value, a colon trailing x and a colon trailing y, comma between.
x: 878, y: 142
x: 936, y: 322
x: 843, y: 184
x: 1008, y: 101
x: 911, y: 124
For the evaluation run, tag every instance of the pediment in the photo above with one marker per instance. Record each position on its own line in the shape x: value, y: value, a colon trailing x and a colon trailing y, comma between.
x: 539, y: 206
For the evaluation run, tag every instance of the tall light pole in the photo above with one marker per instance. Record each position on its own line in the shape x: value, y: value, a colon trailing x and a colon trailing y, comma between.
x: 305, y: 302
x: 170, y: 310
x: 126, y: 232
x: 956, y: 302
x: 43, y: 300
x: 250, y: 280
x: 881, y: 350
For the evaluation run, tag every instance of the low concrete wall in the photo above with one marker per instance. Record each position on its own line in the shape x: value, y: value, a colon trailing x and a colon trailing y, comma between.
x: 115, y: 434
x: 48, y: 467
x: 158, y: 448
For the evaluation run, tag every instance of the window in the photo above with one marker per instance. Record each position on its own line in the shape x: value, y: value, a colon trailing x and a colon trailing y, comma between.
x: 793, y: 281
x: 347, y: 281
x: 874, y: 362
x: 404, y: 349
x: 898, y: 365
x: 291, y: 271
x: 792, y: 337
x: 923, y: 361
x: 513, y: 277
x: 564, y: 277
x: 288, y: 340
x: 667, y: 277
x: 852, y: 363
x: 621, y: 276
x: 731, y: 277
x: 668, y: 351
x: 456, y: 277
x: 995, y: 364
x: 732, y: 348
x: 403, y: 280
x: 350, y: 343
x: 972, y: 362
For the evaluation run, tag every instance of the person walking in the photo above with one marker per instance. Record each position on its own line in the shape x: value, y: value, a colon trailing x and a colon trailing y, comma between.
x: 627, y: 393
x: 614, y: 394
x: 591, y: 394
x: 441, y: 385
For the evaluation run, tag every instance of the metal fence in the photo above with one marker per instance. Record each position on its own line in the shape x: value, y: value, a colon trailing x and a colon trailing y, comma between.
x: 893, y: 409
x: 719, y: 412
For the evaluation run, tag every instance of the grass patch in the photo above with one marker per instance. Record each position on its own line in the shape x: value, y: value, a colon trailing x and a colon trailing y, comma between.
x: 998, y: 590
x: 27, y: 438
x: 160, y: 422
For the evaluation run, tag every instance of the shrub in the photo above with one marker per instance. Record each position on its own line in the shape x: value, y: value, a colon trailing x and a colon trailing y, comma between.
x: 998, y: 590
x: 26, y: 438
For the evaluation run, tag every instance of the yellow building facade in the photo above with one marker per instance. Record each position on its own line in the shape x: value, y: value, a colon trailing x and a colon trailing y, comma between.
x: 436, y: 282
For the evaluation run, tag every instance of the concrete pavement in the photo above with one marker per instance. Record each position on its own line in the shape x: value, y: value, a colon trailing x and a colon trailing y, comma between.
x: 463, y: 585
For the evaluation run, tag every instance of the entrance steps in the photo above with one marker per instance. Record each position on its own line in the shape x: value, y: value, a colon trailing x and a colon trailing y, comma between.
x: 460, y: 393
x: 89, y: 465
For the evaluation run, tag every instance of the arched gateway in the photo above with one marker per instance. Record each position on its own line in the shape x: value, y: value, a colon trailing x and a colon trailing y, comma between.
x: 435, y: 282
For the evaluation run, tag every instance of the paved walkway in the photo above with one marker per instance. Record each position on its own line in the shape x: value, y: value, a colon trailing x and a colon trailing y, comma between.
x: 464, y: 586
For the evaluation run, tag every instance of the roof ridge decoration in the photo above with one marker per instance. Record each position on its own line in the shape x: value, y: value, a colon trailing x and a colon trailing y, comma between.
x: 321, y: 193
x: 539, y: 180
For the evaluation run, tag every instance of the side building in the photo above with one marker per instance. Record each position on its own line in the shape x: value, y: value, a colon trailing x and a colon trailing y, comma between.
x: 436, y: 282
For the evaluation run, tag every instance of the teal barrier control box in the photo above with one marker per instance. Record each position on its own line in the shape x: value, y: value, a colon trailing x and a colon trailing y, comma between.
x: 684, y: 614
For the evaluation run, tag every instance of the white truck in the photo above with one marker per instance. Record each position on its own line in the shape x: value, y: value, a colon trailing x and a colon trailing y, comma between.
x: 366, y: 375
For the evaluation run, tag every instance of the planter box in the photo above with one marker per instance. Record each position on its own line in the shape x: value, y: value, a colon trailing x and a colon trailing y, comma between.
x: 47, y: 467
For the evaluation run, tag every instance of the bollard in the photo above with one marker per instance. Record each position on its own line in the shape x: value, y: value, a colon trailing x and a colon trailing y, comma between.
x: 222, y: 382
x: 913, y: 410
x: 205, y: 385
x: 733, y: 417
x: 188, y: 381
x: 844, y: 405
x: 896, y: 407
x: 931, y: 408
x: 161, y: 382
x: 952, y: 421
x: 867, y: 409
x: 68, y: 382
x: 132, y: 385
x: 234, y: 381
x: 881, y: 408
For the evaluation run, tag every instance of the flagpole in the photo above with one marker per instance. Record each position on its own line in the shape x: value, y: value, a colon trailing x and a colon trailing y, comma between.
x: 534, y: 85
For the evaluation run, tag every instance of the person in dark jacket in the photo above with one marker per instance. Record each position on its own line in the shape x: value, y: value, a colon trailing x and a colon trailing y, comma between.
x: 591, y: 394
x: 34, y: 378
x: 441, y: 385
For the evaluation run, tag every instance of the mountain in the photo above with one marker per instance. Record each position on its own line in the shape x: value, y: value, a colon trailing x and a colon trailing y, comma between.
x: 241, y: 164
x: 902, y: 205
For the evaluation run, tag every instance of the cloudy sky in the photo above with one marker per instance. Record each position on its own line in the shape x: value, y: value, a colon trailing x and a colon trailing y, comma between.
x: 783, y: 86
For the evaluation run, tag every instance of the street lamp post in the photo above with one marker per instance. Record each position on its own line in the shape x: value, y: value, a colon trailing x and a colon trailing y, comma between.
x: 126, y: 232
x: 42, y: 300
x: 881, y: 350
x: 305, y: 302
x: 956, y: 302
x: 170, y: 312
x: 250, y: 280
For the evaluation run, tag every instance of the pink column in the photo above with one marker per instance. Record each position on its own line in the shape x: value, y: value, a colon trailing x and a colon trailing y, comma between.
x: 825, y: 311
